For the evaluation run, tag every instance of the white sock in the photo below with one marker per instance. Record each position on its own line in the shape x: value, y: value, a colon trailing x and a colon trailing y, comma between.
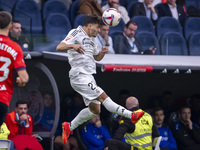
x: 115, y: 108
x: 83, y: 116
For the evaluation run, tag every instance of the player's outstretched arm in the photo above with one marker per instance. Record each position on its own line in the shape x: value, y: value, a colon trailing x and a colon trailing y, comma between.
x: 22, y: 78
x: 101, y: 54
x: 64, y: 47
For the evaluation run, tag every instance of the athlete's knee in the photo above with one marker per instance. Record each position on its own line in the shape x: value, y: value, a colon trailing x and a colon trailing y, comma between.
x: 95, y: 108
x: 102, y: 97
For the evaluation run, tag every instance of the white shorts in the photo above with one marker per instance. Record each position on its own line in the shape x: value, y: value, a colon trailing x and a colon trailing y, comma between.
x: 86, y: 86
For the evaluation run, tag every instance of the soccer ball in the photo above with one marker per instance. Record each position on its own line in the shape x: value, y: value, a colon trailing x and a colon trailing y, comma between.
x: 111, y: 17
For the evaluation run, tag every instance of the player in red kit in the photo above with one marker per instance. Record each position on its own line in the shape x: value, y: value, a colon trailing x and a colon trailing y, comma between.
x: 11, y: 56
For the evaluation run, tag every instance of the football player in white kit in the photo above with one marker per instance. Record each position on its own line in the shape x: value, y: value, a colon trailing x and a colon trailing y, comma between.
x: 82, y: 53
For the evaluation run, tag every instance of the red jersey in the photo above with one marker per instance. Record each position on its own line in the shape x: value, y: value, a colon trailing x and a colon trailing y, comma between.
x: 11, y: 55
x: 14, y: 127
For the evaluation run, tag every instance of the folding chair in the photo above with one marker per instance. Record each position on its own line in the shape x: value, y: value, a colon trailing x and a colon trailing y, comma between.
x: 5, y: 144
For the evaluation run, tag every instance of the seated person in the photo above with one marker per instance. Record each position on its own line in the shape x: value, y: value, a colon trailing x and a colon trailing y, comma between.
x: 138, y: 136
x: 115, y: 4
x: 186, y: 133
x: 95, y: 134
x: 16, y: 36
x: 47, y: 120
x: 168, y: 142
x: 145, y: 8
x: 90, y: 7
x: 173, y: 10
x: 128, y: 43
x: 20, y: 125
x: 103, y: 39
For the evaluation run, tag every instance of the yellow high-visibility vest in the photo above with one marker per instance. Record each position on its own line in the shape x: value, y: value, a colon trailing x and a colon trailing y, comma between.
x: 142, y: 136
x: 4, y: 132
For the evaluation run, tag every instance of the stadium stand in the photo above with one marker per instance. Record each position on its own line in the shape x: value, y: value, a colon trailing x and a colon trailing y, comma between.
x: 167, y: 24
x: 191, y: 3
x: 7, y: 5
x: 130, y: 7
x: 192, y: 25
x: 194, y: 44
x: 73, y: 10
x: 54, y: 6
x: 28, y: 13
x: 79, y: 20
x: 119, y: 27
x: 148, y: 39
x: 173, y: 43
x: 144, y: 24
x: 56, y: 24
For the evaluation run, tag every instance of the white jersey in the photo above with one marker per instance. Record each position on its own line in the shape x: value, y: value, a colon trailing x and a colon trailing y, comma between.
x: 81, y: 63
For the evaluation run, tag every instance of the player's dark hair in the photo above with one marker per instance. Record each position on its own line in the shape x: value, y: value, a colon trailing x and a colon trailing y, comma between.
x: 158, y: 108
x: 5, y: 19
x: 183, y: 107
x: 131, y: 22
x: 91, y: 19
x: 15, y: 21
x: 102, y: 23
x: 20, y: 102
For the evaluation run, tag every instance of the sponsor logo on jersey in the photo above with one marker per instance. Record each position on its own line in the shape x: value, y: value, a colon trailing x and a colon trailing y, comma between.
x: 2, y: 87
x: 68, y: 38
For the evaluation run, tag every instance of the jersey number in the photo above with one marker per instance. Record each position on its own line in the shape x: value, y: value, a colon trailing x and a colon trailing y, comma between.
x: 4, y: 68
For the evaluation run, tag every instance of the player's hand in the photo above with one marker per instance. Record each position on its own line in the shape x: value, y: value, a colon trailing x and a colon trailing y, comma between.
x: 115, y: 5
x: 106, y: 38
x: 78, y: 48
x: 153, y: 49
x: 189, y: 123
x: 23, y: 117
x: 104, y: 49
x: 19, y: 81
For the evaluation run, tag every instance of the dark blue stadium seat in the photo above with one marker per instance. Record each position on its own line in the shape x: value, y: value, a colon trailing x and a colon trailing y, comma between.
x: 148, y: 39
x: 192, y: 25
x: 130, y: 7
x: 119, y: 27
x: 56, y: 27
x: 79, y: 20
x: 7, y: 5
x: 73, y: 10
x: 54, y: 6
x: 28, y: 13
x: 167, y: 24
x: 144, y: 24
x: 198, y: 5
x: 191, y: 3
x: 126, y: 3
x: 173, y: 43
x: 114, y: 34
x: 194, y: 44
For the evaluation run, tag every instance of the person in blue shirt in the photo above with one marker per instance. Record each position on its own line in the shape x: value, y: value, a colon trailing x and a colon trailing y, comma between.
x: 168, y: 142
x: 94, y: 134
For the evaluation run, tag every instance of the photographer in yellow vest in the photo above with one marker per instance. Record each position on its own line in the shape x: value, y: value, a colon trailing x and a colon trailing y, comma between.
x: 138, y: 136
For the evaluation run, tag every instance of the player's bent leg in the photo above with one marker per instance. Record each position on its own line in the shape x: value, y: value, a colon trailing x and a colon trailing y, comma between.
x: 84, y: 115
x: 95, y: 108
x: 115, y: 108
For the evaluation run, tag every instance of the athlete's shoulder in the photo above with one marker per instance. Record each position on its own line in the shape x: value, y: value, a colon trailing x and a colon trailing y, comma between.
x: 13, y: 44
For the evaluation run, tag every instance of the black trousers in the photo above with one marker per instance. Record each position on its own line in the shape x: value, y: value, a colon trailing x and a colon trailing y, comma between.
x: 114, y: 144
x: 3, y: 112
